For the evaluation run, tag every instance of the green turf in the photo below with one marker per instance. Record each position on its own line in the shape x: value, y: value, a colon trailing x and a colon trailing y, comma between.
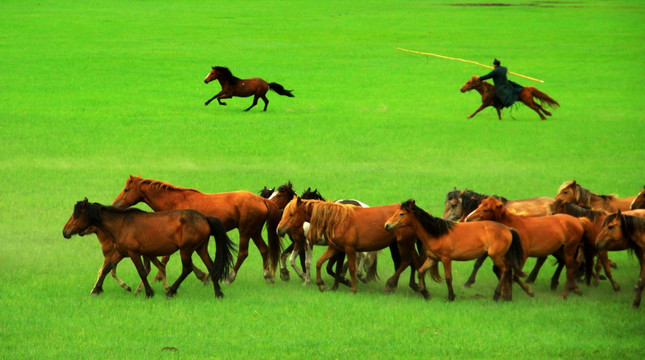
x: 92, y: 91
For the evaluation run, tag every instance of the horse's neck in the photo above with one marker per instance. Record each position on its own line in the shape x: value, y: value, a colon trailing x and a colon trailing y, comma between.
x: 485, y: 88
x: 164, y: 199
x: 110, y: 225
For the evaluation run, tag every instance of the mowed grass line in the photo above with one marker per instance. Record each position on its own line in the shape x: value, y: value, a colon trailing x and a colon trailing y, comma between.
x: 98, y: 91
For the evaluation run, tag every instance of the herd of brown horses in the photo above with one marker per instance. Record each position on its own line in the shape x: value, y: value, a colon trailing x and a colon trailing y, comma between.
x: 576, y: 226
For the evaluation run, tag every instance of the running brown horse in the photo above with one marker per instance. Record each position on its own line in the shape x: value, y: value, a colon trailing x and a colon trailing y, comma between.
x: 487, y: 91
x: 630, y: 229
x: 138, y: 233
x: 349, y: 229
x: 445, y: 241
x: 639, y: 201
x: 239, y: 209
x: 542, y: 236
x: 233, y: 86
x: 571, y: 191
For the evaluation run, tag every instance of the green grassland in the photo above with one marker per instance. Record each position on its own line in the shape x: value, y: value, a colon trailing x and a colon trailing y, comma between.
x: 93, y: 91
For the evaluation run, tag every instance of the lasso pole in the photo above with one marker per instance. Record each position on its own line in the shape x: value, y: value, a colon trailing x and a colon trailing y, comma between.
x: 466, y: 61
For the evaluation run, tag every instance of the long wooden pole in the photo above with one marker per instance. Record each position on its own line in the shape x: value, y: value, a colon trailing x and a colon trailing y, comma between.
x: 466, y: 61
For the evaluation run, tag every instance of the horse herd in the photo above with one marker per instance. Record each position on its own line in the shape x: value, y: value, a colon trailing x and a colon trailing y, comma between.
x: 257, y: 87
x: 577, y: 227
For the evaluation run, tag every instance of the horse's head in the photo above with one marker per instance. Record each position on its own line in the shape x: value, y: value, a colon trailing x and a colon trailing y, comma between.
x: 611, y: 232
x: 131, y: 193
x: 639, y: 202
x: 311, y: 195
x: 79, y: 222
x: 293, y: 216
x: 471, y: 84
x: 283, y: 195
x: 489, y: 209
x: 212, y: 75
x: 266, y: 192
x: 568, y: 192
x: 401, y: 217
x: 453, y: 207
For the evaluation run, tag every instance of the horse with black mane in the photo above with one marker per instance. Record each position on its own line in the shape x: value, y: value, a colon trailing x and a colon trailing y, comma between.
x: 234, y: 86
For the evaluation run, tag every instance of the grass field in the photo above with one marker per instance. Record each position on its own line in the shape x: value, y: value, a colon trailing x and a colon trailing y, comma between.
x: 94, y: 91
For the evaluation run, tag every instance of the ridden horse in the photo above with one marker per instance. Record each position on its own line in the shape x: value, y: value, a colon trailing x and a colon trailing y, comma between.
x: 639, y: 201
x: 460, y: 203
x: 233, y: 86
x: 487, y: 91
x: 239, y: 209
x: 108, y: 248
x: 137, y: 233
x: 349, y: 229
x: 541, y: 236
x: 630, y: 229
x: 572, y: 192
x: 445, y: 241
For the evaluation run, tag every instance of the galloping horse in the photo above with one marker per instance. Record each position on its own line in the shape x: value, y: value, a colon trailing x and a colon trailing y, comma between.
x: 109, y: 250
x: 239, y: 209
x: 630, y: 229
x: 639, y: 201
x: 487, y: 91
x: 541, y: 236
x: 233, y: 86
x: 136, y: 233
x: 572, y: 192
x: 445, y: 241
x: 348, y: 229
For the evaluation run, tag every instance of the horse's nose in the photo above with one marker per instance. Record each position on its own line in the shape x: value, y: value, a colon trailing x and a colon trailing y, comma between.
x: 388, y: 227
x: 205, y: 81
x: 282, y: 231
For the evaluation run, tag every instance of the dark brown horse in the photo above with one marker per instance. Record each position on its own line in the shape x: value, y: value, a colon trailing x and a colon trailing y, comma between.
x: 239, y: 209
x: 233, y: 86
x: 630, y: 229
x: 541, y: 236
x: 487, y: 91
x: 137, y: 233
x: 572, y: 192
x: 639, y: 201
x: 445, y: 241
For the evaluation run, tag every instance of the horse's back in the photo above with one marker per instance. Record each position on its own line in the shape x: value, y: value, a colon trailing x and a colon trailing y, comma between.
x: 539, y: 206
x: 365, y: 230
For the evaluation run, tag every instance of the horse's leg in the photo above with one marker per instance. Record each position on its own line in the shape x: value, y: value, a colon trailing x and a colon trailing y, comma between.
x: 264, y: 251
x: 136, y: 259
x: 108, y: 264
x: 307, y: 268
x: 555, y: 279
x: 502, y: 288
x: 186, y: 268
x: 640, y: 285
x: 361, y: 257
x: 339, y: 274
x: 604, y: 259
x: 214, y: 97
x: 117, y: 279
x: 531, y: 104
x: 499, y: 114
x: 326, y: 256
x: 518, y: 280
x: 292, y: 261
x: 203, y: 254
x: 164, y: 261
x: 242, y: 253
x: 427, y: 264
x: 266, y: 102
x: 482, y: 107
x: 401, y: 259
x: 162, y: 270
x: 572, y: 269
x: 284, y: 272
x: 476, y: 266
x: 351, y: 261
x: 255, y: 102
x: 536, y: 269
x: 447, y: 274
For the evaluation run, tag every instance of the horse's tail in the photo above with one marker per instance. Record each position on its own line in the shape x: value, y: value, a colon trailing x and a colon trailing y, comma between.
x: 544, y: 98
x: 224, y: 249
x: 515, y: 254
x: 588, y: 246
x: 280, y: 90
x: 434, y: 272
x: 275, y: 243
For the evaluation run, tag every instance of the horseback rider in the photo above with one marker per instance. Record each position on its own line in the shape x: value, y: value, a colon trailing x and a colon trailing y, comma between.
x: 507, y: 91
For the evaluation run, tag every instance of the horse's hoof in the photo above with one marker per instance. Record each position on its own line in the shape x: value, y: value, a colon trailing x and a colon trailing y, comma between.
x: 150, y: 294
x: 219, y: 294
x: 284, y: 275
x: 530, y: 293
x: 205, y: 104
x: 616, y: 287
x: 467, y: 285
x: 96, y: 292
x: 415, y: 287
x: 321, y: 286
x: 334, y: 287
x: 128, y: 289
x: 269, y: 280
x: 425, y: 294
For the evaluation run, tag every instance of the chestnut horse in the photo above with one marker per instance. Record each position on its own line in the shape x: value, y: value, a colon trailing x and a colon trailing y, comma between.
x: 233, y: 86
x: 110, y: 253
x: 487, y: 91
x: 349, y: 229
x: 630, y: 229
x: 239, y: 209
x: 541, y: 236
x: 137, y: 233
x: 445, y: 241
x: 572, y: 192
x: 639, y: 201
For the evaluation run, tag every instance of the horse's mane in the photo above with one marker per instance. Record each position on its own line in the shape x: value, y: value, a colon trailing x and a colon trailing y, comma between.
x: 94, y: 211
x: 325, y: 216
x: 629, y: 225
x: 435, y: 226
x: 470, y: 200
x: 312, y: 195
x: 577, y: 211
x: 227, y: 74
x: 159, y: 185
x: 288, y: 188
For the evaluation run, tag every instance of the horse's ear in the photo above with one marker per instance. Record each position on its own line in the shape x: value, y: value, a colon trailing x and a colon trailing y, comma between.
x: 298, y: 200
x: 85, y: 201
x: 618, y: 212
x: 213, y: 67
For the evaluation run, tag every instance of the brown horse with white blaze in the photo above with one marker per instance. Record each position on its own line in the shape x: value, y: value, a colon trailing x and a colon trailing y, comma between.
x: 487, y: 92
x: 445, y: 241
x: 541, y: 236
x: 138, y: 233
x: 238, y: 209
x: 234, y: 86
